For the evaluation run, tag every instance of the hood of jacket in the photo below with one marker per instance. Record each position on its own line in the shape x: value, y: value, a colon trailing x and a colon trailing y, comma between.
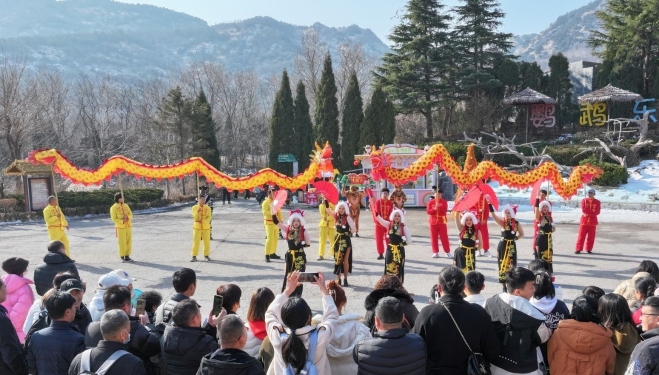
x: 516, y: 311
x: 179, y: 340
x: 544, y: 304
x: 375, y: 296
x: 15, y: 282
x: 348, y: 331
x: 521, y: 304
x: 584, y: 337
x: 56, y: 258
x: 625, y: 340
x: 96, y: 305
x: 225, y: 359
x: 650, y: 334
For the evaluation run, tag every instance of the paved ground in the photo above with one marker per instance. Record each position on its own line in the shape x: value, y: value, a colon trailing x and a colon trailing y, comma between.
x: 162, y: 245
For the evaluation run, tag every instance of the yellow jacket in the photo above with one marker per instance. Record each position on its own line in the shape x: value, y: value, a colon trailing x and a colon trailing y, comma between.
x: 326, y: 220
x: 202, y: 220
x: 117, y: 213
x: 50, y: 216
x: 267, y: 212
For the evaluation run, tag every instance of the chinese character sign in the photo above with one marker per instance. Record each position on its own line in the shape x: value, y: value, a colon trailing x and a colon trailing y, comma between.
x: 639, y: 110
x: 593, y: 114
x: 542, y: 115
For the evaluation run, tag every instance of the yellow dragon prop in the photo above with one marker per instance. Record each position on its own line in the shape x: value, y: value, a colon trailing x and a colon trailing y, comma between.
x: 438, y: 155
x: 321, y: 164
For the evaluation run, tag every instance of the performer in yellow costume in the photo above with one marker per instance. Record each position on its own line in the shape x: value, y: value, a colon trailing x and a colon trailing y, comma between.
x: 122, y: 217
x: 326, y: 227
x: 201, y: 229
x: 271, y: 230
x: 56, y: 222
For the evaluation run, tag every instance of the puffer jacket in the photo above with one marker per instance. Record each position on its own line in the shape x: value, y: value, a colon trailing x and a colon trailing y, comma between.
x: 391, y: 352
x: 19, y: 300
x: 12, y: 360
x: 627, y: 288
x: 582, y: 348
x: 96, y: 307
x: 256, y: 330
x: 624, y: 341
x: 183, y: 348
x: 52, y: 349
x: 230, y: 362
x: 349, y: 331
x: 409, y: 310
x: 53, y: 263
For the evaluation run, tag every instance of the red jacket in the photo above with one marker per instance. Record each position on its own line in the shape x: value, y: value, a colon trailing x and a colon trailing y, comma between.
x: 590, y: 208
x: 383, y: 207
x: 436, y: 210
x: 482, y: 210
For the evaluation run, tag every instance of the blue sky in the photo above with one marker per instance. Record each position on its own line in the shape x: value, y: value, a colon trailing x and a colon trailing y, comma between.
x: 522, y: 16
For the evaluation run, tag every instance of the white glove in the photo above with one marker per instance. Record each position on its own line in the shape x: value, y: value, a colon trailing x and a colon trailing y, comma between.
x: 303, y: 243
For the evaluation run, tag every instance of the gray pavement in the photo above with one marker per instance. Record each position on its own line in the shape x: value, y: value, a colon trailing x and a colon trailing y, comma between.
x: 162, y: 241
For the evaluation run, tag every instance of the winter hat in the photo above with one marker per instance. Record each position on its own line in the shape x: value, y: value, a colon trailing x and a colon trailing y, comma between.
x: 464, y: 217
x: 397, y: 211
x: 124, y: 276
x: 342, y: 204
x: 296, y: 214
x: 508, y: 208
x: 15, y: 266
x: 545, y: 204
x: 591, y: 191
x: 112, y: 279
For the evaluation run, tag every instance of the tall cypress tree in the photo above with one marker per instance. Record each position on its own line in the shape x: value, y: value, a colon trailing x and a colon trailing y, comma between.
x: 388, y: 117
x: 281, y: 126
x: 372, y: 127
x: 351, y: 126
x: 480, y: 45
x: 204, y: 132
x: 327, y: 107
x: 415, y: 73
x: 302, y: 128
x: 559, y: 87
x: 175, y: 115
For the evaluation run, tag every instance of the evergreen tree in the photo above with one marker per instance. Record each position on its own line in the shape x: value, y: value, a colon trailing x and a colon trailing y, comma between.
x: 388, y: 117
x: 327, y: 108
x: 281, y: 126
x: 302, y: 128
x: 205, y: 140
x: 415, y: 74
x: 629, y: 39
x: 559, y: 87
x: 351, y: 126
x: 372, y: 127
x: 175, y: 115
x: 480, y: 45
x: 532, y: 76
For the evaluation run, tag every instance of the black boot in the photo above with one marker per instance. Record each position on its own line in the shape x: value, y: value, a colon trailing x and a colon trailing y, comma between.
x: 267, y: 258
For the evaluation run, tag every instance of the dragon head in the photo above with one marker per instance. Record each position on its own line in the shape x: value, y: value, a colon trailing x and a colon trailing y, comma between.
x: 323, y: 156
x: 379, y: 162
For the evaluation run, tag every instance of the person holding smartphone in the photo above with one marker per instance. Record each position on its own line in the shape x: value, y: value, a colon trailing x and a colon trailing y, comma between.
x: 297, y: 238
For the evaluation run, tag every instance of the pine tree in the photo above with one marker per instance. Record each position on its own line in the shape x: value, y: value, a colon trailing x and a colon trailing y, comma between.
x: 388, y: 117
x: 415, y: 73
x: 175, y: 115
x: 351, y: 126
x: 559, y: 87
x: 205, y: 140
x: 480, y: 44
x: 372, y: 127
x: 302, y: 128
x: 327, y: 107
x: 281, y: 126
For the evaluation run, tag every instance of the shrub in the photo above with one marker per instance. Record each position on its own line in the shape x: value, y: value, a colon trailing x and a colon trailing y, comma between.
x: 613, y: 175
x: 20, y: 198
x: 105, y: 197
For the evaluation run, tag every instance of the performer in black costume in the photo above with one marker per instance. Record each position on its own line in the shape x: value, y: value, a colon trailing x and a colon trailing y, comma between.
x: 544, y: 248
x: 399, y: 237
x: 470, y: 241
x: 511, y: 231
x: 342, y: 243
x: 297, y: 238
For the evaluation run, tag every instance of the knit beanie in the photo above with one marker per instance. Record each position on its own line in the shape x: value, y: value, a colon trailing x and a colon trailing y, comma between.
x: 15, y: 266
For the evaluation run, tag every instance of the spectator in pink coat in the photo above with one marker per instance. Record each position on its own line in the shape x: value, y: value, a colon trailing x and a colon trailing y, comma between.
x: 19, y: 293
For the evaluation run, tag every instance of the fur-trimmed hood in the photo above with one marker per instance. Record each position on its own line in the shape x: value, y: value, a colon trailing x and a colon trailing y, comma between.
x: 397, y: 211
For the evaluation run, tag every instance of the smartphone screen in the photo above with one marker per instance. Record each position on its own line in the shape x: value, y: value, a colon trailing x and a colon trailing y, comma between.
x: 308, y: 277
x: 140, y: 307
x: 218, y: 301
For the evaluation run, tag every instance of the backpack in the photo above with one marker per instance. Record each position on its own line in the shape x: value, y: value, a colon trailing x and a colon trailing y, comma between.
x: 309, y: 367
x: 85, y: 362
x: 43, y: 321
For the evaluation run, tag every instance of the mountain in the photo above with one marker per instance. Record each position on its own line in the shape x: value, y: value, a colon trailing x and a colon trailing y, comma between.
x: 134, y: 40
x: 568, y: 34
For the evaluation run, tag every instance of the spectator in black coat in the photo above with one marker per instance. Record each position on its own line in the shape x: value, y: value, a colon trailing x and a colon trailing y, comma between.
x: 231, y: 359
x: 447, y: 352
x: 144, y: 343
x: 52, y: 349
x: 184, y: 282
x: 54, y: 262
x: 76, y: 288
x: 185, y: 343
x: 391, y: 350
x: 115, y: 327
x: 390, y: 286
x: 12, y: 361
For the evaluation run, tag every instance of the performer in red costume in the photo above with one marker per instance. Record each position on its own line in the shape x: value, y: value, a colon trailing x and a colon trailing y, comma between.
x: 590, y: 208
x: 436, y: 210
x: 382, y: 207
x: 482, y: 210
x: 542, y: 195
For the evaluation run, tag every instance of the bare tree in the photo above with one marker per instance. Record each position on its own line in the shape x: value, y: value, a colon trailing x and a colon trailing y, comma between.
x: 309, y: 64
x: 353, y: 58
